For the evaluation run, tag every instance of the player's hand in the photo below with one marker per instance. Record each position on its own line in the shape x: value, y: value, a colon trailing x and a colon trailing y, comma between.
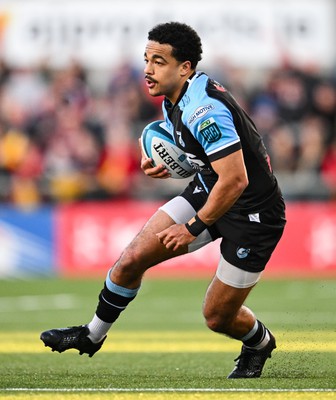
x: 159, y: 171
x: 175, y: 237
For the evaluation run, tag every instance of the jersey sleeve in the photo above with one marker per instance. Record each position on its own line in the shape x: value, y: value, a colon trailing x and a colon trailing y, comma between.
x: 213, y: 127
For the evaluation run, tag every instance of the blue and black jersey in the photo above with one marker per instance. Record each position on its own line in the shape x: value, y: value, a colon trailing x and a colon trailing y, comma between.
x: 208, y: 124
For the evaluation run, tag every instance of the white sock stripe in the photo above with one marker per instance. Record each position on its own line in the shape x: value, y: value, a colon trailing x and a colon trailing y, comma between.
x: 114, y: 305
x: 262, y: 339
x: 263, y: 342
x: 251, y: 333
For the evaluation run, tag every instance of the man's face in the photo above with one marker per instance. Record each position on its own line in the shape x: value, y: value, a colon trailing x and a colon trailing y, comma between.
x: 164, y: 74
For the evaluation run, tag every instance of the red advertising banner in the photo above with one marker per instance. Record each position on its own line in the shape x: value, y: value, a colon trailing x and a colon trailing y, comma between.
x: 91, y: 236
x: 308, y: 246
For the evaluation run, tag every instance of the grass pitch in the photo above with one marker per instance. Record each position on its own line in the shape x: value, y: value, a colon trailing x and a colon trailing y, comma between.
x: 160, y: 347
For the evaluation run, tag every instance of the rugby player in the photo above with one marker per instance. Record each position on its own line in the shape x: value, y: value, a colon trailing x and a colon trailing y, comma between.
x: 233, y: 196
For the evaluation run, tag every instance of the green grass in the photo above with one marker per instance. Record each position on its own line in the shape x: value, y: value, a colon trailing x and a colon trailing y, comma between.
x: 161, y: 341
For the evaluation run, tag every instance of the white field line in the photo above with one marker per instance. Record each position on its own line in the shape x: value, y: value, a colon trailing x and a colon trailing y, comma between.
x: 61, y: 301
x: 168, y: 390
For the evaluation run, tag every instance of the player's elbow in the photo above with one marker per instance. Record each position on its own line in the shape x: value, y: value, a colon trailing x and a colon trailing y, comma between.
x: 239, y: 184
x: 242, y: 183
x: 233, y: 186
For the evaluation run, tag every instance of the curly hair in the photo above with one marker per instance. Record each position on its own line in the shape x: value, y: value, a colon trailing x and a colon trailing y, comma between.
x: 186, y: 43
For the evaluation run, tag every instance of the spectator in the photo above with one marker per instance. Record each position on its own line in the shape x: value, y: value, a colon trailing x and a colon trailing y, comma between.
x: 63, y: 137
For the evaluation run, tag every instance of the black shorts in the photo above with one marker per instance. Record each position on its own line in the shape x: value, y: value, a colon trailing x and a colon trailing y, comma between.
x: 248, y: 241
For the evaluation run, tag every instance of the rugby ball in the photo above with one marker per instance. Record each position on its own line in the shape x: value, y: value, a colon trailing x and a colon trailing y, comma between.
x: 158, y: 144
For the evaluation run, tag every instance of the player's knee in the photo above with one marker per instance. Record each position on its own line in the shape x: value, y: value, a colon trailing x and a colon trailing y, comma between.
x: 218, y: 322
x: 129, y: 265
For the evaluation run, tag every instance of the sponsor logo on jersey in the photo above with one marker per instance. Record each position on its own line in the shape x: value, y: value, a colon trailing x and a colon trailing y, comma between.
x: 242, y: 253
x: 199, y: 112
x: 210, y: 130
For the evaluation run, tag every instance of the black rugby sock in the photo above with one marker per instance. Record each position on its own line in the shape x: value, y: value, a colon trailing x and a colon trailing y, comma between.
x: 258, y: 337
x: 113, y: 299
x: 111, y: 304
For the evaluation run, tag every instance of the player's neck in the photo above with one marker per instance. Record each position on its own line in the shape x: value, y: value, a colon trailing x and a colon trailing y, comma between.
x: 184, y: 86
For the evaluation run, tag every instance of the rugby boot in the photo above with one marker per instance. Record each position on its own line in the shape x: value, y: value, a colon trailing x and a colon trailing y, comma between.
x: 74, y: 337
x: 250, y: 362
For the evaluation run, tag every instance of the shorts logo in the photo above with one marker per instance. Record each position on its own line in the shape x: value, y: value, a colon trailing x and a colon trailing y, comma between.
x: 210, y: 130
x: 199, y: 112
x: 242, y: 253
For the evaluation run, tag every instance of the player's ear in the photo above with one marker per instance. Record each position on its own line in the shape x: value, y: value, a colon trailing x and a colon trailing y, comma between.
x: 185, y: 68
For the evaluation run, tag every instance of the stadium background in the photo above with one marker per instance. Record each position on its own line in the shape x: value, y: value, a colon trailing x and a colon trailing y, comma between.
x: 73, y: 103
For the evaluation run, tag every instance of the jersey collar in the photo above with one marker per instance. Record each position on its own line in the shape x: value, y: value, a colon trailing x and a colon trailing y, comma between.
x: 185, y: 87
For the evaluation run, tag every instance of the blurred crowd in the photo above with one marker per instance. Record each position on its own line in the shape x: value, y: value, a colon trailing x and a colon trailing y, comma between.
x: 72, y: 134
